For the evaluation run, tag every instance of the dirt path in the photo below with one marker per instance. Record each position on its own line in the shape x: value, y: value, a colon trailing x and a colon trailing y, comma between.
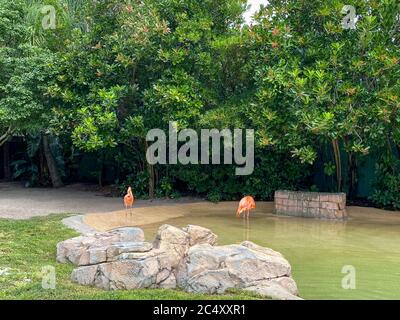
x: 17, y: 202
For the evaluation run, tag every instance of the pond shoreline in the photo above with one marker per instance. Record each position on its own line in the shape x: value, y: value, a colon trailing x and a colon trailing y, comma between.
x: 160, y: 213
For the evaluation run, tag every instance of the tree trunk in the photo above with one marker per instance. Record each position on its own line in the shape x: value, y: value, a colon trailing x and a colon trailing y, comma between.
x: 7, y: 135
x: 101, y: 169
x: 42, y: 167
x: 150, y: 171
x: 352, y: 170
x: 51, y: 163
x: 6, y: 161
x: 100, y: 177
x: 338, y: 162
x: 353, y: 176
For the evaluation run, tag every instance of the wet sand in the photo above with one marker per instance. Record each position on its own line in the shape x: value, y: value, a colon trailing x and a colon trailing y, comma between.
x: 141, y: 216
x: 147, y: 215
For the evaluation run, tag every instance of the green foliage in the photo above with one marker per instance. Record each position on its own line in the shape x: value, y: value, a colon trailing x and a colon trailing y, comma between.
x: 178, y: 99
x: 166, y: 186
x: 29, y: 167
x: 214, y: 196
x: 27, y: 70
x: 97, y: 83
x: 26, y: 170
x: 138, y: 183
x: 112, y: 70
x: 329, y: 169
x: 387, y: 185
x: 318, y: 83
x: 272, y: 172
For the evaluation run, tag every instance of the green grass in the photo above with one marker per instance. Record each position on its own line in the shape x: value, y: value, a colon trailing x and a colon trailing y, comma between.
x: 26, y: 246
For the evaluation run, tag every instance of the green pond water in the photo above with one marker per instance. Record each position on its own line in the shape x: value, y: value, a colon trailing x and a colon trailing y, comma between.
x: 317, y: 250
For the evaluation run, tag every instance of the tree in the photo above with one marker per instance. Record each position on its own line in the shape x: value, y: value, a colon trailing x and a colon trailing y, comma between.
x: 319, y: 83
x: 137, y: 67
x: 27, y: 69
x: 98, y: 84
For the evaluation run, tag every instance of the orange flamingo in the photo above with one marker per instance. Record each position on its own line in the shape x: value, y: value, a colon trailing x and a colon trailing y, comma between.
x: 245, y: 205
x: 129, y: 200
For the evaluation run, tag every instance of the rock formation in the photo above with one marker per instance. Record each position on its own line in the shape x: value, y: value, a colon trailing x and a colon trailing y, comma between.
x: 186, y: 258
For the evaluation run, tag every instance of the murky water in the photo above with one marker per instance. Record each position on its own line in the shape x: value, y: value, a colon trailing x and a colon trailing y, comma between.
x: 318, y: 250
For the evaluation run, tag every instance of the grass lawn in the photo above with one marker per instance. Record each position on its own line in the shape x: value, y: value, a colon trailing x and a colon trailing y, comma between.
x: 28, y: 245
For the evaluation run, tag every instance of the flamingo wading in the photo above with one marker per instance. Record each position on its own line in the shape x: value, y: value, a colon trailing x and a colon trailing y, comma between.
x: 245, y: 205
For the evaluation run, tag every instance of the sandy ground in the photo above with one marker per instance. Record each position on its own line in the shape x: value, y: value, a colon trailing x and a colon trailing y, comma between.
x: 17, y: 202
x: 159, y: 213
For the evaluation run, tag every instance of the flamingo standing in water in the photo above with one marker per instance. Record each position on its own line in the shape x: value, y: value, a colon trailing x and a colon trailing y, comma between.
x: 129, y: 200
x: 245, y: 205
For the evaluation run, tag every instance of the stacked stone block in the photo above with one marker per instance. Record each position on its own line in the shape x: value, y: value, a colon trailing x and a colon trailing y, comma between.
x: 311, y: 204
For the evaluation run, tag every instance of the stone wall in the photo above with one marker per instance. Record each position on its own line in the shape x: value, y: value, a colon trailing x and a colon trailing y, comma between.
x: 311, y: 204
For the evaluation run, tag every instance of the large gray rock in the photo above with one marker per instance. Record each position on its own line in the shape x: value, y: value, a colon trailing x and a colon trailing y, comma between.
x: 274, y: 289
x: 91, y: 249
x: 210, y: 281
x: 140, y: 270
x: 177, y: 241
x: 200, y: 235
x: 173, y: 240
x: 186, y: 258
x: 119, y: 248
x: 209, y: 269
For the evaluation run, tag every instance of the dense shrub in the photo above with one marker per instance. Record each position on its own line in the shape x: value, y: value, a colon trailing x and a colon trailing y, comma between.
x: 272, y: 171
x: 387, y: 186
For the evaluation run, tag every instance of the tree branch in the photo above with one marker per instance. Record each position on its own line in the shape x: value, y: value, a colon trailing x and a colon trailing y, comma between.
x: 5, y: 136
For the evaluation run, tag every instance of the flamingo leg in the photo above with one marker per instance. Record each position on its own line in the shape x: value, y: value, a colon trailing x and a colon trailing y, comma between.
x: 248, y: 230
x: 244, y: 228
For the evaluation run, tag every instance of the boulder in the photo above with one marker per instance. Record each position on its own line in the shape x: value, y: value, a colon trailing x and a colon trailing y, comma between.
x: 186, y: 258
x: 85, y: 275
x: 91, y: 249
x: 210, y: 282
x: 200, y: 235
x: 173, y: 240
x: 144, y: 270
x: 273, y: 290
x: 117, y: 249
x: 213, y: 269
